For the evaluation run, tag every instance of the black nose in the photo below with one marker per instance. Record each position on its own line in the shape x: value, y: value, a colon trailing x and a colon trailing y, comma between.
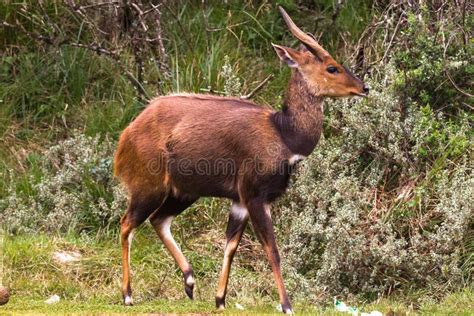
x: 366, y: 89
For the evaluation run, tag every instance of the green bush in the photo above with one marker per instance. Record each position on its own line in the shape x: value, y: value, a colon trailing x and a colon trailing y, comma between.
x: 385, y: 202
x: 72, y: 190
x: 431, y: 54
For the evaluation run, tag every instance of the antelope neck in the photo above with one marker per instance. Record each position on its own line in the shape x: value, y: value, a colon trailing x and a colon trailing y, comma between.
x: 301, y: 119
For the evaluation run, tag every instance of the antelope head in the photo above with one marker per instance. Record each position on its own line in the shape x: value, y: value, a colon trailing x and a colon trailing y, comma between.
x: 324, y: 75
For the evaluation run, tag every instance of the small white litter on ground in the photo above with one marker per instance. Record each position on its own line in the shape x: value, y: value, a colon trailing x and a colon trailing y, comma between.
x: 279, y: 308
x: 354, y: 311
x: 342, y: 307
x: 66, y: 256
x: 239, y: 307
x: 52, y: 300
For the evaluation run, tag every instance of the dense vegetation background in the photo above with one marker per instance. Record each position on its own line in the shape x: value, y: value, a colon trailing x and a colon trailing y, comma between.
x: 383, y: 207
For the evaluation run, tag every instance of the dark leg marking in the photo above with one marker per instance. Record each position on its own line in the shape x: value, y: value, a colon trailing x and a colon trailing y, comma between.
x: 188, y: 283
x: 161, y: 221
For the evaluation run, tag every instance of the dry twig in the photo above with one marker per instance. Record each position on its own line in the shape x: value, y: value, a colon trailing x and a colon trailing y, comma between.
x: 257, y: 88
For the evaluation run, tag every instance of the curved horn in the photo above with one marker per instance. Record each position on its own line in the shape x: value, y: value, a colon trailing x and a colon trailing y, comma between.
x: 306, y: 39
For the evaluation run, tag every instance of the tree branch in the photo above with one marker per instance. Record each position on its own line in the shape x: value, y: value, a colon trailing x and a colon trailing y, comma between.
x: 257, y: 88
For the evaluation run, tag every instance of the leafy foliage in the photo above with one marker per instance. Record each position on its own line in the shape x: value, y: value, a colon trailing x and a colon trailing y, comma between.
x: 385, y: 203
x: 74, y: 192
x: 360, y: 218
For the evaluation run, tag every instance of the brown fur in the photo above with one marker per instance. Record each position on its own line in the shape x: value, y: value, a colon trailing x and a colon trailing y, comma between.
x: 169, y: 128
x: 185, y: 146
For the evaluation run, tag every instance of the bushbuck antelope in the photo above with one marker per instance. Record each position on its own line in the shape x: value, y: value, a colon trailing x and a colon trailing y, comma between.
x: 185, y: 146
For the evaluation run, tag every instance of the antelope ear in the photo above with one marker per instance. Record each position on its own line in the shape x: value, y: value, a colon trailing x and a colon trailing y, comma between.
x: 286, y: 55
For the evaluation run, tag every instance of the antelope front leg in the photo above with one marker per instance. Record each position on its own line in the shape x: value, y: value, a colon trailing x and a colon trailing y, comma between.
x: 238, y: 219
x: 263, y: 226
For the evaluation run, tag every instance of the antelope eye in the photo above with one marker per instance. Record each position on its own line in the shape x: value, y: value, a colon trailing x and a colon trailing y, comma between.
x: 331, y: 69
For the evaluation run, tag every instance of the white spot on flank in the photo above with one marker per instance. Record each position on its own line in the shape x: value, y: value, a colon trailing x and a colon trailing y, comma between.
x: 295, y: 158
x: 239, y: 211
x: 175, y: 190
x: 128, y: 300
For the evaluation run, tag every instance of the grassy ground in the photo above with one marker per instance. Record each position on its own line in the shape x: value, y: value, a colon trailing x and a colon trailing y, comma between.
x: 51, y: 93
x: 455, y: 304
x: 92, y: 284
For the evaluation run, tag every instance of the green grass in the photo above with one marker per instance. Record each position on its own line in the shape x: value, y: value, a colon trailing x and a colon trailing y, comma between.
x: 92, y: 285
x: 160, y: 306
x: 456, y: 304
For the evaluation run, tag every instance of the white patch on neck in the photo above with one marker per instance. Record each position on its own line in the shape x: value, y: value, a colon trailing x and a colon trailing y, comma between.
x: 239, y: 211
x: 295, y: 158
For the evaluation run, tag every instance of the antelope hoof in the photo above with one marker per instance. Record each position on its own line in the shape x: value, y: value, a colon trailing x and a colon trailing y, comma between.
x: 189, y: 284
x: 189, y: 290
x: 220, y: 303
x: 287, y: 310
x: 128, y: 301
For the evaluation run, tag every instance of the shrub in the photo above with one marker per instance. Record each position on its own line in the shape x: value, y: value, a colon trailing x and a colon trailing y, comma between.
x: 435, y: 64
x: 362, y: 217
x: 74, y: 190
x: 385, y: 201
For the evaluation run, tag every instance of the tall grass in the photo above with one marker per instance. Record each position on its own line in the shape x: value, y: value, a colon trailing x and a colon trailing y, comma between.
x: 47, y: 92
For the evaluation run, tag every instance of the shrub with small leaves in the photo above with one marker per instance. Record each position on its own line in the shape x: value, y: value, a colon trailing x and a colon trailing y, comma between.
x: 74, y: 192
x: 232, y: 84
x: 385, y: 201
x: 361, y: 216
